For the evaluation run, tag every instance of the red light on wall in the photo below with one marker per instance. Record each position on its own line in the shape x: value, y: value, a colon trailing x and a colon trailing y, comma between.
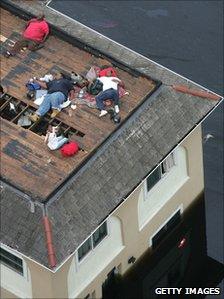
x: 182, y: 243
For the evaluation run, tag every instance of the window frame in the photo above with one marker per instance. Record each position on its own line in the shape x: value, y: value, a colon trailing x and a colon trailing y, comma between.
x: 173, y: 162
x: 80, y: 260
x: 24, y: 266
x: 156, y: 182
x: 158, y: 238
x: 101, y: 238
x: 179, y: 209
x: 163, y: 173
x: 91, y: 248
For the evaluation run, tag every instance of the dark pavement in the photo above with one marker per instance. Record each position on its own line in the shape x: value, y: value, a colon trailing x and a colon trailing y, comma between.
x: 186, y: 37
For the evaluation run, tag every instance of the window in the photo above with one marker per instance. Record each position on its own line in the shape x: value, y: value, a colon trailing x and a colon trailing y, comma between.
x: 160, y: 171
x: 11, y: 261
x: 166, y: 229
x: 99, y: 234
x: 169, y: 162
x: 92, y: 241
x: 84, y: 249
x: 153, y: 178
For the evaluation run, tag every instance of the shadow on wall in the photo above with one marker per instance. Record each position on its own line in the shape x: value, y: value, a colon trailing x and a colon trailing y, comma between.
x: 179, y: 260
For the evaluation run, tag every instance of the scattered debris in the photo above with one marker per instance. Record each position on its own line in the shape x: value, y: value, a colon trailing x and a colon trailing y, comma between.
x: 2, y: 38
x: 12, y: 107
x: 24, y: 121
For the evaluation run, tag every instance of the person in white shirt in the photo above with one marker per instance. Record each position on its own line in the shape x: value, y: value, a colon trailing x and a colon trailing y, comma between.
x: 110, y: 91
x: 53, y: 141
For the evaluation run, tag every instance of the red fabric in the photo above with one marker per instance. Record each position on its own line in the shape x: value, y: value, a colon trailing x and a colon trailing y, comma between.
x: 36, y: 30
x: 103, y: 73
x: 69, y: 149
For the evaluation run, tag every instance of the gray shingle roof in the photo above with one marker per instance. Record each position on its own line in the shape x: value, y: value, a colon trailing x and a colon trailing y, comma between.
x: 21, y: 229
x: 116, y: 168
x: 121, y: 165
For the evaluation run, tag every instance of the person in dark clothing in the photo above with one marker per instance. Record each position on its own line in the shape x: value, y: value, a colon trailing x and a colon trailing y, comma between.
x: 58, y: 91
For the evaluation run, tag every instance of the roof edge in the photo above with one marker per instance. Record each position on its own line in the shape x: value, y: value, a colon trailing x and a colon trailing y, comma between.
x: 133, y: 190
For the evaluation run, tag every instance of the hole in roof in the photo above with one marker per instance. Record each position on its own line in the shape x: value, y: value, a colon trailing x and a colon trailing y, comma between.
x: 17, y: 111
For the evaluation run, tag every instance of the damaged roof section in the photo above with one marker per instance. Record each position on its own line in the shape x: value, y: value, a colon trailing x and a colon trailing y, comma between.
x: 122, y: 159
x: 23, y: 150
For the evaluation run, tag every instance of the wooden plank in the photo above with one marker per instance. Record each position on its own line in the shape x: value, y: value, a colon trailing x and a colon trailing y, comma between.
x: 33, y: 160
x: 5, y: 104
x: 15, y: 72
x: 3, y: 38
x: 36, y: 142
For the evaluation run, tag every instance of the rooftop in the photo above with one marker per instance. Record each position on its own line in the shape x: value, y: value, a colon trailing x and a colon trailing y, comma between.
x: 84, y: 190
x: 23, y: 150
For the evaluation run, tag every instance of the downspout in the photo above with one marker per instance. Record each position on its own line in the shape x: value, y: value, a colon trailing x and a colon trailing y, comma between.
x: 49, y: 242
x: 46, y: 221
x: 194, y: 92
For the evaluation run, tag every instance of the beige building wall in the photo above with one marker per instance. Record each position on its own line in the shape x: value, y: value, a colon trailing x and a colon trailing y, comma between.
x: 6, y: 294
x: 137, y: 242
x: 46, y: 284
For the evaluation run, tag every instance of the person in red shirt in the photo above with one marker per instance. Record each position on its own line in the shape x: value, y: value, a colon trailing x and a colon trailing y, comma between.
x: 33, y: 37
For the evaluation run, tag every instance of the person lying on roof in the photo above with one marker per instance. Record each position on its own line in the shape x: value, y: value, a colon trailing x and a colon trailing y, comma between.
x: 33, y: 37
x: 110, y: 92
x: 57, y: 93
